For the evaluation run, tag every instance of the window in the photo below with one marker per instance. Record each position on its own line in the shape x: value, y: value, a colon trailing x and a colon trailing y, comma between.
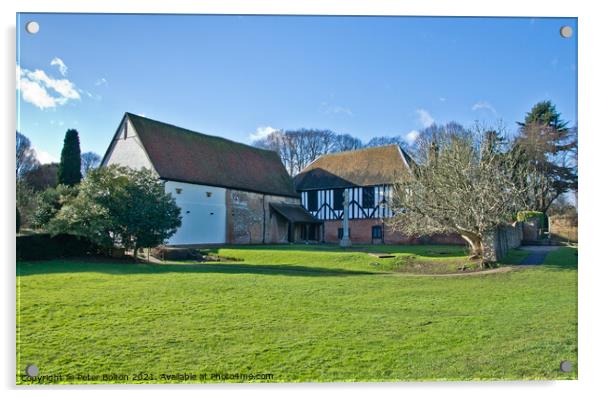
x: 340, y: 233
x: 377, y: 232
x: 337, y: 199
x: 312, y: 200
x: 368, y: 198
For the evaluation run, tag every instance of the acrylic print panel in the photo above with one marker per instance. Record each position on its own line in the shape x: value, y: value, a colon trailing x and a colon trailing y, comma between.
x: 269, y: 199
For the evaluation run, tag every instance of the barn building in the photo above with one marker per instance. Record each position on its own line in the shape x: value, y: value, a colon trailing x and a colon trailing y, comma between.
x: 228, y: 192
x: 368, y: 176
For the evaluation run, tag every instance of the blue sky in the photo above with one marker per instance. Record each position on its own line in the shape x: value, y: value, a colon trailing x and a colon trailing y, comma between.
x: 241, y: 76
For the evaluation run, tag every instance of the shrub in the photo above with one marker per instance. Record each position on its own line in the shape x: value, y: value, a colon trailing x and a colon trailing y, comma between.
x: 118, y: 205
x: 50, y: 202
x: 526, y: 215
x: 26, y: 203
x: 46, y: 247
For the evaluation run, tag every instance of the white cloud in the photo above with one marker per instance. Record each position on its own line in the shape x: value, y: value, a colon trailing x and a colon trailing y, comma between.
x: 262, y: 132
x: 34, y: 93
x: 425, y: 118
x: 44, y: 91
x: 62, y: 86
x: 411, y: 136
x: 484, y: 105
x: 60, y: 64
x: 442, y: 99
x: 45, y: 157
x: 100, y: 82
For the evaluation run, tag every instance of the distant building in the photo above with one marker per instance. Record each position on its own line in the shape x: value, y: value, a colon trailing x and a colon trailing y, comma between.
x: 368, y: 175
x: 228, y: 192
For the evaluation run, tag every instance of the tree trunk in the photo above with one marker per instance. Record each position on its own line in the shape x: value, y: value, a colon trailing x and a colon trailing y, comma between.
x: 476, y: 245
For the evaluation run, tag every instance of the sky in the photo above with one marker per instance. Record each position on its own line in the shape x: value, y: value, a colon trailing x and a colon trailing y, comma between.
x: 241, y: 77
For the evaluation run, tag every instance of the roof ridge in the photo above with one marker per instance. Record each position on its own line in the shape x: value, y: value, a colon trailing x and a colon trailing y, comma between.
x: 188, y: 131
x: 333, y: 154
x: 359, y: 150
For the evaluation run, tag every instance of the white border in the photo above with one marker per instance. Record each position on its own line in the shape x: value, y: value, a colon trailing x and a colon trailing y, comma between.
x: 590, y: 332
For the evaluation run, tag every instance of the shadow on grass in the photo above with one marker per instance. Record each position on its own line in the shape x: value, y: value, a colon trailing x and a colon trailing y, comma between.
x: 125, y: 268
x: 435, y: 251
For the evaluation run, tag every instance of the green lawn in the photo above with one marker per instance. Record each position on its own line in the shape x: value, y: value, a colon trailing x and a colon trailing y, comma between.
x: 514, y: 256
x: 563, y: 258
x: 300, y: 313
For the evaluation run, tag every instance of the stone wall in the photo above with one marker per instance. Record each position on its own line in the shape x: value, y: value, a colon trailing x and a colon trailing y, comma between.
x: 531, y: 229
x: 498, y: 242
x: 361, y: 233
x: 249, y: 219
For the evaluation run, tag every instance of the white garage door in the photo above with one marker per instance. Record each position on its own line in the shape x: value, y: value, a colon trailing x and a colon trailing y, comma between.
x: 203, y: 213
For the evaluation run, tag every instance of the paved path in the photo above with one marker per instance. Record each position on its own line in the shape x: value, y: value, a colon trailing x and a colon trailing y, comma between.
x: 537, y: 254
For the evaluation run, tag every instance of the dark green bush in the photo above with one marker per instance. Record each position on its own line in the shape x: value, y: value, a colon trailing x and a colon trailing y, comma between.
x: 47, y: 247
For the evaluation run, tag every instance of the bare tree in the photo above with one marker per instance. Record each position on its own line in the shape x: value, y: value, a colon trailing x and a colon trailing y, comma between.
x: 345, y: 142
x: 433, y: 133
x: 298, y: 148
x: 465, y: 184
x: 90, y: 161
x: 42, y: 177
x: 384, y: 140
x: 25, y: 155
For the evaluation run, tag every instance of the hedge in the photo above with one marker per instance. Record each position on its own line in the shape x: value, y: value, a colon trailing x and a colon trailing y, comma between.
x: 46, y: 247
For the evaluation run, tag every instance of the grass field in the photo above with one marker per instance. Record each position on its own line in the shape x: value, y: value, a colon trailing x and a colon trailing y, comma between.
x: 297, y: 313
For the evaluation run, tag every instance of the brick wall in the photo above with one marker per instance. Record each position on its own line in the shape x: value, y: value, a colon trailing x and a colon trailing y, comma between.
x: 563, y: 228
x: 361, y: 233
x: 248, y: 214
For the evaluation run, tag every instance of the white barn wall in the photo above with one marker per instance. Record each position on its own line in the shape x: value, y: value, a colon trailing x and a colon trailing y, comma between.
x: 127, y: 150
x: 203, y: 215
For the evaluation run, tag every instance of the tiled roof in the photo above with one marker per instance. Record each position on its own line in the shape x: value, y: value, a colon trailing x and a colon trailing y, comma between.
x: 364, y: 167
x: 183, y: 155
